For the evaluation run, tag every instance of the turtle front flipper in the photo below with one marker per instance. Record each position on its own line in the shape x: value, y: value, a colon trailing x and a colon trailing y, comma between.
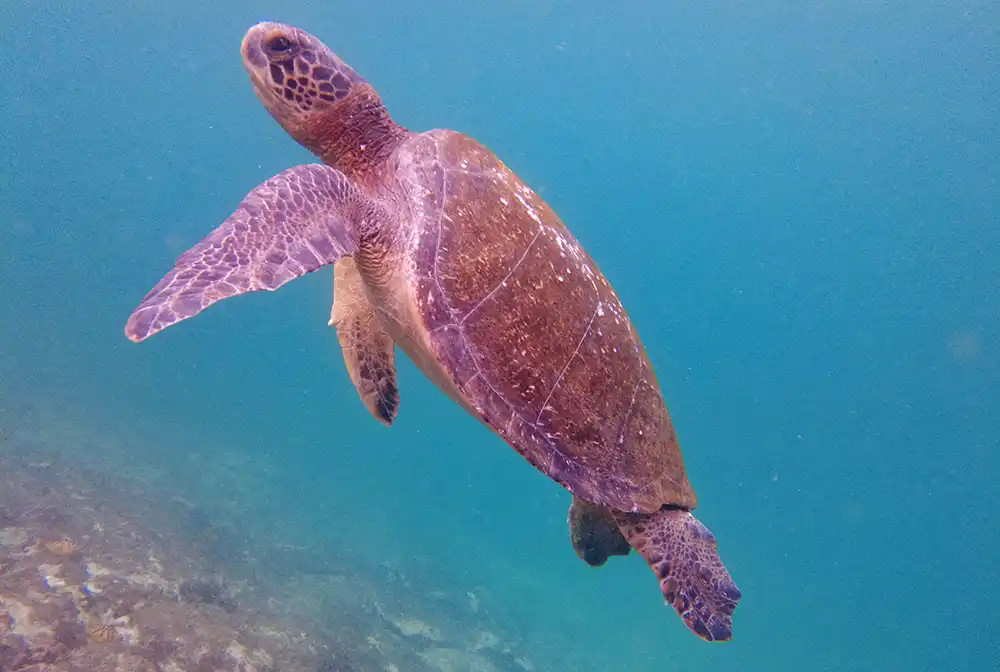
x: 594, y: 533
x: 296, y: 222
x: 683, y: 554
x: 369, y: 352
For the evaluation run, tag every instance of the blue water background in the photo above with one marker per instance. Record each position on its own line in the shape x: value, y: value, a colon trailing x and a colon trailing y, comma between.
x: 797, y: 202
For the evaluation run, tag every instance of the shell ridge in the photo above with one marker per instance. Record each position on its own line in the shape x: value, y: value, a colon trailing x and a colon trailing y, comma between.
x: 440, y: 234
x: 628, y: 412
x: 562, y: 374
x: 532, y: 441
x: 503, y: 282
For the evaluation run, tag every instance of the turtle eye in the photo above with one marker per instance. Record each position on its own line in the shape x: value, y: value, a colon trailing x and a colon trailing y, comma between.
x: 280, y: 45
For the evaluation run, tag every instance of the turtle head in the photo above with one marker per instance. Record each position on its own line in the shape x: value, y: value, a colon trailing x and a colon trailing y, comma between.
x: 299, y: 80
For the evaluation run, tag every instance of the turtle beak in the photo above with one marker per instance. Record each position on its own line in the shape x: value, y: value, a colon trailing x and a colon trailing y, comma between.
x: 253, y: 54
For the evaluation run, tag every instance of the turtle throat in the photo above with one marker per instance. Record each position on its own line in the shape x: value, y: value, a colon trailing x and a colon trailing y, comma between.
x: 355, y: 134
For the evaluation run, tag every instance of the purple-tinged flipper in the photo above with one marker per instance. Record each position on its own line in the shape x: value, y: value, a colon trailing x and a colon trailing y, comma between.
x: 294, y: 223
x: 683, y: 554
x: 368, y: 349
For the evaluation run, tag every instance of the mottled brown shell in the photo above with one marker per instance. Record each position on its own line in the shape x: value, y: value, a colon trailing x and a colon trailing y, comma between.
x: 531, y: 333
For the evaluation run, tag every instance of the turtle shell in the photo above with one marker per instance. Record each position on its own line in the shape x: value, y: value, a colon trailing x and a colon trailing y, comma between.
x: 530, y: 333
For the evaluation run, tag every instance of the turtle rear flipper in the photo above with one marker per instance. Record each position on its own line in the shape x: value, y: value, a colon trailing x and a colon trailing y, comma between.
x: 594, y: 533
x: 369, y: 352
x: 296, y: 222
x: 682, y: 553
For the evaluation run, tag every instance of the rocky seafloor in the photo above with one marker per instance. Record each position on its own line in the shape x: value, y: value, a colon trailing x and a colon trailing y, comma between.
x: 103, y: 571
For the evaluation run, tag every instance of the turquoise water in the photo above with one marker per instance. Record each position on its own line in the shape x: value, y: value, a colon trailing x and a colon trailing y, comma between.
x: 798, y: 206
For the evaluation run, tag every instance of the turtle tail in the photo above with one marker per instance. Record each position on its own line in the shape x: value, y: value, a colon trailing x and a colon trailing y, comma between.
x: 682, y: 553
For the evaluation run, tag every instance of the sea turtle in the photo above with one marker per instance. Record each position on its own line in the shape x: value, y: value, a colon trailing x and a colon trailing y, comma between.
x: 441, y: 249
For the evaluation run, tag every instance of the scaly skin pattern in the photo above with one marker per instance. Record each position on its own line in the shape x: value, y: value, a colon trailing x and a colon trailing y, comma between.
x: 682, y: 553
x: 369, y: 352
x: 477, y: 279
x: 296, y: 222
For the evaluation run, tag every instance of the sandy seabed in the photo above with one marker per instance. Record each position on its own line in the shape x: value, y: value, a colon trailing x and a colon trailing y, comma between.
x: 99, y: 571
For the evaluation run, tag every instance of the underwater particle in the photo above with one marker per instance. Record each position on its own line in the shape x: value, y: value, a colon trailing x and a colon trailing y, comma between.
x: 965, y: 346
